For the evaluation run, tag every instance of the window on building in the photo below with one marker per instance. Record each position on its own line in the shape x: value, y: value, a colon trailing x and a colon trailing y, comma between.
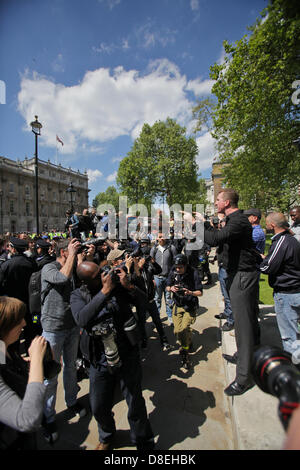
x: 27, y: 206
x: 27, y: 190
x: 11, y: 206
x: 11, y: 187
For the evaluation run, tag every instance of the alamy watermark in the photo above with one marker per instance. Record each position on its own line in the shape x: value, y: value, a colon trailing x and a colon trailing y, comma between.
x: 296, y: 94
x: 2, y: 92
x: 175, y: 222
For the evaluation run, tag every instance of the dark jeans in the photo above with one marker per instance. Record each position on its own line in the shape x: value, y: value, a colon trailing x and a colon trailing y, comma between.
x: 242, y: 287
x: 152, y: 310
x: 102, y: 387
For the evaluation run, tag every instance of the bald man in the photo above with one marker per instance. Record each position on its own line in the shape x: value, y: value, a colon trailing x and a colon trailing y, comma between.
x: 104, y: 302
x: 282, y: 264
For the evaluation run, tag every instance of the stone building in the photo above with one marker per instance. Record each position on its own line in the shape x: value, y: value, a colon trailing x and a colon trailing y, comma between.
x: 17, y: 194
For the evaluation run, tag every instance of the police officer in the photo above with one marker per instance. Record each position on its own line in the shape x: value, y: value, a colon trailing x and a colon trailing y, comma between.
x: 185, y: 284
x: 43, y: 256
x: 14, y: 279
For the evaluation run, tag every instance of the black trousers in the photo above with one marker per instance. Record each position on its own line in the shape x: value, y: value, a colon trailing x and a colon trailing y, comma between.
x: 242, y: 288
x: 102, y: 386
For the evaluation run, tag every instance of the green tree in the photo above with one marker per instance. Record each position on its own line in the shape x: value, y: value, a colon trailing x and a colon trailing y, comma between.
x: 110, y: 196
x: 161, y: 164
x: 254, y: 120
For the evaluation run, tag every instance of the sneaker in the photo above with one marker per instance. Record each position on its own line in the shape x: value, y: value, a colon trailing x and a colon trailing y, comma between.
x: 220, y: 316
x: 227, y: 327
x: 78, y: 410
x: 50, y: 432
x: 185, y: 361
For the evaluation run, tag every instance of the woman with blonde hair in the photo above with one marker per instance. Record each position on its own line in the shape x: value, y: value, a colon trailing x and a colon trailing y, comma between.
x: 22, y: 388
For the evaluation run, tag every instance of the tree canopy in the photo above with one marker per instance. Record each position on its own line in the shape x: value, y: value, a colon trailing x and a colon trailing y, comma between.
x: 161, y: 164
x: 254, y: 119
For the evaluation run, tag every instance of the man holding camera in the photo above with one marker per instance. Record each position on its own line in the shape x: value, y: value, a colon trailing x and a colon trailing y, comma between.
x: 110, y: 341
x: 185, y: 284
x: 144, y: 278
x: 60, y: 329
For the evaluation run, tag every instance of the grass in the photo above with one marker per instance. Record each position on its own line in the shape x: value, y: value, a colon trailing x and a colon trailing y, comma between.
x: 265, y: 291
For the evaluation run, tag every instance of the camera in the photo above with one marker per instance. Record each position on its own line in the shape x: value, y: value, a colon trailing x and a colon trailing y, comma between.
x: 51, y: 367
x: 93, y: 241
x: 274, y: 373
x: 113, y: 272
x: 106, y: 331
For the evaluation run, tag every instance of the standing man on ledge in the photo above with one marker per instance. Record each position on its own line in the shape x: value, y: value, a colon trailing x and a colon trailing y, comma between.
x: 240, y: 263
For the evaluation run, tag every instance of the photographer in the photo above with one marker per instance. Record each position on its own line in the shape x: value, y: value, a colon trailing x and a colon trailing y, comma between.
x: 60, y: 329
x: 144, y: 278
x: 22, y: 391
x: 185, y: 284
x: 102, y: 307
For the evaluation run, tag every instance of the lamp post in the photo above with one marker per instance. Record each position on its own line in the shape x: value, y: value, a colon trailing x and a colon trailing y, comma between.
x: 36, y: 129
x: 71, y: 190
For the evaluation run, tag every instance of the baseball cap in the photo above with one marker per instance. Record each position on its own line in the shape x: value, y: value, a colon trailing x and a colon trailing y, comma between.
x: 253, y: 211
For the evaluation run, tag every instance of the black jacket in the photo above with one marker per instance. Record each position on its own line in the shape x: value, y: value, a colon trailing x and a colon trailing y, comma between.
x: 14, y: 276
x: 239, y: 252
x: 282, y: 263
x: 189, y: 280
x: 89, y: 311
x: 145, y: 280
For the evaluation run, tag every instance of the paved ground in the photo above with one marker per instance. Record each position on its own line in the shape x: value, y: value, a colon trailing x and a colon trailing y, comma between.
x: 188, y: 410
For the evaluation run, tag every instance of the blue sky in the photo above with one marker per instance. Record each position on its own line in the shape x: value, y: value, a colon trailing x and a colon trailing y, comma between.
x: 95, y: 71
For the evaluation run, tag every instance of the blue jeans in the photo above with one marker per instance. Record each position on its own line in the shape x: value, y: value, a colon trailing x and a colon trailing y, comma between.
x: 102, y: 388
x: 287, y: 308
x: 161, y: 283
x: 222, y: 274
x: 63, y: 343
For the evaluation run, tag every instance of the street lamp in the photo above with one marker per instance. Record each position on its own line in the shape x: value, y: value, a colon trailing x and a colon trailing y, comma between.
x: 71, y: 190
x: 36, y: 129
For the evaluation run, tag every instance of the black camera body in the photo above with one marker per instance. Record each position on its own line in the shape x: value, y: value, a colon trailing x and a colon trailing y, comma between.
x: 93, y: 241
x: 180, y: 290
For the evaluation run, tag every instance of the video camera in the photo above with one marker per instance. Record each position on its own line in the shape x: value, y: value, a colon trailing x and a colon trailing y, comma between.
x: 274, y: 373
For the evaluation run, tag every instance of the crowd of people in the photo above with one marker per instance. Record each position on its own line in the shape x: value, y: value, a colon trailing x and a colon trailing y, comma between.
x: 75, y: 294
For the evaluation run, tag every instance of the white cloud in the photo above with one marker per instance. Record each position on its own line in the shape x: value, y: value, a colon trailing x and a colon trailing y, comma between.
x: 200, y: 87
x: 58, y: 64
x: 116, y: 159
x: 94, y: 175
x: 194, y: 5
x: 111, y: 3
x: 112, y: 177
x: 107, y: 104
x: 206, y: 151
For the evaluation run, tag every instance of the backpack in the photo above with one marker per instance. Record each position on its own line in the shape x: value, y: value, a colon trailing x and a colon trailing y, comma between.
x: 36, y: 294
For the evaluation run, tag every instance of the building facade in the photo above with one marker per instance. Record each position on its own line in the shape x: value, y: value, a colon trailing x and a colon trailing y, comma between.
x: 17, y: 195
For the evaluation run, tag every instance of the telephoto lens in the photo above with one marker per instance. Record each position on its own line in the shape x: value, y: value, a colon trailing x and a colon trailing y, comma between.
x: 274, y: 373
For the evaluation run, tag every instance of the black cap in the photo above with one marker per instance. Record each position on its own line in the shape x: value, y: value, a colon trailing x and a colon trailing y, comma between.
x: 18, y: 243
x: 253, y: 211
x: 42, y: 243
x: 180, y: 259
